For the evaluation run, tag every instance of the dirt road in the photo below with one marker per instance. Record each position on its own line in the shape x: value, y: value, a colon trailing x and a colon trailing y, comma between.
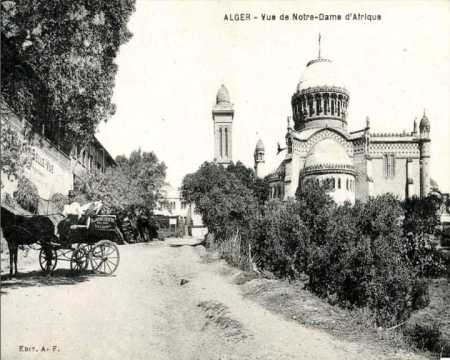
x: 143, y: 312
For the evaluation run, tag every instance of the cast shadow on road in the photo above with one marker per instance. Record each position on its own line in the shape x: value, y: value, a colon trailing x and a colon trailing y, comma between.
x: 38, y: 278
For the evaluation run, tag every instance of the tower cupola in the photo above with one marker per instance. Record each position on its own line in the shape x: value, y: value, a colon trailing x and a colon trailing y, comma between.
x: 258, y: 157
x: 424, y: 126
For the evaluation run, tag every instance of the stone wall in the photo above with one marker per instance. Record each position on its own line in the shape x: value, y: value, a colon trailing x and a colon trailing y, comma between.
x: 50, y: 169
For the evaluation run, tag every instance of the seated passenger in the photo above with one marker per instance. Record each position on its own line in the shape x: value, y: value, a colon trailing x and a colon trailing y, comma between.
x: 87, y: 211
x: 77, y: 217
x: 72, y: 213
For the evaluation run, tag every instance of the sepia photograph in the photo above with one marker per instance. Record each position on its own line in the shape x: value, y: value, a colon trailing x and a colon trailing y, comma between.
x: 225, y: 180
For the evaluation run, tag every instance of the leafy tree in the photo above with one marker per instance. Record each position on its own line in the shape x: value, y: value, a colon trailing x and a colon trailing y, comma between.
x: 27, y: 195
x: 15, y: 152
x: 114, y: 189
x: 148, y: 173
x: 246, y: 175
x: 136, y: 182
x: 206, y: 178
x: 224, y: 202
x: 57, y: 61
x: 259, y: 187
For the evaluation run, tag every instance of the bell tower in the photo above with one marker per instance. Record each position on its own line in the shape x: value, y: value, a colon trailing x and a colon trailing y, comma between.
x: 223, y: 114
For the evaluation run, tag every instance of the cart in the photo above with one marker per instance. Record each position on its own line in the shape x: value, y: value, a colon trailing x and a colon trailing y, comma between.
x: 92, y: 246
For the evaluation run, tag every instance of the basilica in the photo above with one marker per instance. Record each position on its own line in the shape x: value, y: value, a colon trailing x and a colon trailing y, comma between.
x: 319, y: 147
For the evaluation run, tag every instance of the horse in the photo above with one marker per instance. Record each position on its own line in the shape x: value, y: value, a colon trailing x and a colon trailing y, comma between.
x: 143, y: 227
x: 25, y: 230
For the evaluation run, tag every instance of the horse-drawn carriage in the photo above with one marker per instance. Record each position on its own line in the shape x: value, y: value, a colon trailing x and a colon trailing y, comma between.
x: 91, y: 246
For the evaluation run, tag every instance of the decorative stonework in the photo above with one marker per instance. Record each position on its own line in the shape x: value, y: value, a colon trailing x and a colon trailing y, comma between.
x: 400, y: 149
x: 328, y: 168
x: 319, y: 103
x: 305, y: 147
x: 391, y: 134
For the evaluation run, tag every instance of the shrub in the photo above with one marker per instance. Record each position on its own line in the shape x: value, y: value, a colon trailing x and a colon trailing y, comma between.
x: 361, y: 261
x: 423, y: 255
x: 420, y: 295
x: 328, y: 262
x: 390, y: 292
x: 234, y: 250
x: 419, y: 226
x: 280, y: 240
x: 428, y: 337
x: 314, y: 208
x: 421, y: 215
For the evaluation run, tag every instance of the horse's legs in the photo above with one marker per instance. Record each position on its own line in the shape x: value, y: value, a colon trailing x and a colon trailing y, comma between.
x: 16, y: 250
x: 11, y: 260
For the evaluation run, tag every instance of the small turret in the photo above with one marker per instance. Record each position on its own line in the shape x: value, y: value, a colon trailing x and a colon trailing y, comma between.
x: 424, y: 127
x: 259, y: 158
x: 415, y: 126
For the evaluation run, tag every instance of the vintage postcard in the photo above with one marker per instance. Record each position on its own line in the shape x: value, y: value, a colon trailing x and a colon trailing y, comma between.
x: 225, y: 180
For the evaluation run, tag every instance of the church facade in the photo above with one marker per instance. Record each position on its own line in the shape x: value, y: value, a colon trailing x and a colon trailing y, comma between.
x: 352, y: 164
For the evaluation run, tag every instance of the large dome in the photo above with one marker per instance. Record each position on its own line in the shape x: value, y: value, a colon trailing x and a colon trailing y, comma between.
x: 319, y: 73
x: 328, y: 152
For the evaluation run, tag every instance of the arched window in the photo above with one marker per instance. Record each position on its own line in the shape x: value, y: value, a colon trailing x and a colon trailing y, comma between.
x: 333, y: 183
x: 332, y: 106
x: 339, y: 183
x: 389, y: 165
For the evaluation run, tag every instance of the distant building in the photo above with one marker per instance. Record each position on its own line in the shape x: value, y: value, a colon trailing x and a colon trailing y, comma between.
x: 223, y: 114
x: 174, y: 206
x: 55, y: 165
x: 353, y: 165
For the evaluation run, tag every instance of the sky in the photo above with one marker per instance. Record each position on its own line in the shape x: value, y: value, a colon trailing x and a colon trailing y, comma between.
x: 181, y: 52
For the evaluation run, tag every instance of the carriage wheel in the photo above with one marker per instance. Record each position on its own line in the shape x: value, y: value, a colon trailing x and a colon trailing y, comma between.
x: 79, y: 260
x: 104, y: 257
x: 48, y: 257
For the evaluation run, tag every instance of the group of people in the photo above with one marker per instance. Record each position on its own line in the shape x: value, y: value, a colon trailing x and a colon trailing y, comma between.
x: 76, y: 216
x: 135, y: 224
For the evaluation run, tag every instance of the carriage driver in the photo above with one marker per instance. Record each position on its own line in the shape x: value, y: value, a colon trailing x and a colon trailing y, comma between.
x: 76, y: 217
